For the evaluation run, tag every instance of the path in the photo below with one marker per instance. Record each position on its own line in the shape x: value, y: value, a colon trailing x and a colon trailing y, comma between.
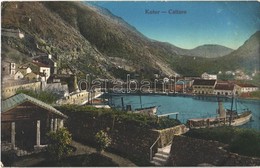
x: 82, y: 149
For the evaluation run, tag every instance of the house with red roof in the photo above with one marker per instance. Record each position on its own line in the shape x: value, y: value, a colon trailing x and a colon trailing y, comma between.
x: 225, y: 89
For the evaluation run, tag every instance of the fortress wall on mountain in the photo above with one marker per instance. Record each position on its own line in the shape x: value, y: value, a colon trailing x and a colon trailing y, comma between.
x: 187, y: 151
x: 12, y: 33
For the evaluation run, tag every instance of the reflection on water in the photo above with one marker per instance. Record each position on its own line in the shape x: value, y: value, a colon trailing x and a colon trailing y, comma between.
x: 189, y: 107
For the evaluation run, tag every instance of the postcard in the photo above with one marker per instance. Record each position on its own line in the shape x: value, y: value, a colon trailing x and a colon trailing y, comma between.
x: 130, y: 83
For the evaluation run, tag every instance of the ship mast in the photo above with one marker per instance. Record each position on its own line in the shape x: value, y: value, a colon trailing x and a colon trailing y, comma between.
x: 231, y: 110
x: 141, y: 101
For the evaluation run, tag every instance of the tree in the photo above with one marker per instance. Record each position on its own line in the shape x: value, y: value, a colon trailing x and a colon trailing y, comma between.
x: 59, y: 144
x: 103, y: 140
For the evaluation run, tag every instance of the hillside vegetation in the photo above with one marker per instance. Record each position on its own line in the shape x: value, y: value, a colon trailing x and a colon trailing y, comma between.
x: 88, y: 37
x: 242, y: 141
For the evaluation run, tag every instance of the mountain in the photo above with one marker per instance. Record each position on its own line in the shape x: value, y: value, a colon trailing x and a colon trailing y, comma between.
x: 93, y: 40
x: 209, y: 51
x: 246, y: 57
x: 83, y: 36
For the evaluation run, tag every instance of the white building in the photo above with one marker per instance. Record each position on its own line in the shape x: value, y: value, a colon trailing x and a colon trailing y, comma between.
x: 25, y: 69
x: 225, y: 89
x: 207, y: 76
x: 42, y: 68
x: 18, y: 75
x: 246, y: 88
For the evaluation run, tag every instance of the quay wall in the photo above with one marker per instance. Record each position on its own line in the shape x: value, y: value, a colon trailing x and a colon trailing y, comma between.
x: 187, y: 151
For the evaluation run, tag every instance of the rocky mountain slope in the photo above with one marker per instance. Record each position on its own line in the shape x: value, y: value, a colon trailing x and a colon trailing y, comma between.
x: 95, y: 41
x: 248, y: 55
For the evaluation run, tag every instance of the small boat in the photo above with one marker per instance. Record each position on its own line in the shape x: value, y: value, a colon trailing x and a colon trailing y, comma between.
x: 150, y: 111
x: 146, y: 110
x: 226, y: 117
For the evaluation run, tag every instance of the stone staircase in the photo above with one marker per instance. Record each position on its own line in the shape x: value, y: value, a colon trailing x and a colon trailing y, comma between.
x: 161, y: 157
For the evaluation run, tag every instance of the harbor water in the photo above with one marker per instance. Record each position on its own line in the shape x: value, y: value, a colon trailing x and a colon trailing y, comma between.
x: 189, y: 106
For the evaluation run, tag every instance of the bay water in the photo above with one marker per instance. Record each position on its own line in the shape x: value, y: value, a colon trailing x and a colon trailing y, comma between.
x: 189, y: 106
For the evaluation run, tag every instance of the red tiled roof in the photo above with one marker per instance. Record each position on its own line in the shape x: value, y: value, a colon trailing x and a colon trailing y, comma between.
x: 245, y: 85
x: 223, y: 86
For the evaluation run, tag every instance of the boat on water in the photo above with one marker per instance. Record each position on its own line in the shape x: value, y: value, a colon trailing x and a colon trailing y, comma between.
x: 146, y: 110
x: 150, y: 111
x: 225, y: 117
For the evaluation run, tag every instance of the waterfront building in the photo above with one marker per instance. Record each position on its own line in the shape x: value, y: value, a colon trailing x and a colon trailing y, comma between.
x: 246, y: 88
x: 225, y: 89
x: 201, y: 86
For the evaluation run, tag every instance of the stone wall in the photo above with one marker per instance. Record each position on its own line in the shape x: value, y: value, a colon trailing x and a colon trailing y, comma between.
x: 186, y: 151
x: 168, y: 134
x: 12, y: 33
x: 57, y: 88
x: 10, y: 90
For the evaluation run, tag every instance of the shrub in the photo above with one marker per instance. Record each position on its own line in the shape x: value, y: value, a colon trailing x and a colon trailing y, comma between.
x: 45, y: 96
x: 103, y: 140
x: 59, y: 144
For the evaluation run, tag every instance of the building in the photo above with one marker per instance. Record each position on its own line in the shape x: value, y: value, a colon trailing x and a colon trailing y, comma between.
x: 33, y: 76
x: 25, y: 121
x: 25, y: 69
x: 183, y: 86
x: 246, y: 88
x: 8, y: 68
x: 18, y: 75
x: 48, y: 60
x: 39, y: 68
x: 201, y: 86
x: 208, y: 76
x: 225, y: 89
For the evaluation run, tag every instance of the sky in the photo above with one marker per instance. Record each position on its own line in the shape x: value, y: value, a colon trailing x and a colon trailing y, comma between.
x: 225, y: 23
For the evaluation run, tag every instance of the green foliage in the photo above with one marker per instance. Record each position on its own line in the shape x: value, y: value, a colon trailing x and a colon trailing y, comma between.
x: 103, y: 140
x: 240, y: 140
x: 138, y: 120
x: 225, y: 77
x: 256, y: 94
x: 59, y: 142
x: 45, y: 96
x: 246, y: 143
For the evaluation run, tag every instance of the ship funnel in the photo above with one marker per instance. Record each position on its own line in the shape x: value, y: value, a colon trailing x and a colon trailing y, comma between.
x: 221, y: 110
